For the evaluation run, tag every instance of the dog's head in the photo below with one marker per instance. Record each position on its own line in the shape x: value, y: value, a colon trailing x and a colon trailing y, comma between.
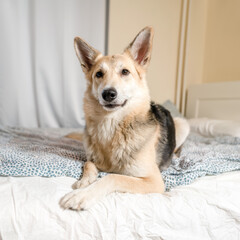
x: 117, y: 81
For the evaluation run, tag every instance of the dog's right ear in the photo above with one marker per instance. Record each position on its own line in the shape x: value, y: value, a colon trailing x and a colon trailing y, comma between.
x: 85, y: 53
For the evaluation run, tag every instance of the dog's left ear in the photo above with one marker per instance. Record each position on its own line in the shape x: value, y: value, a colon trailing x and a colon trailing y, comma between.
x: 141, y: 47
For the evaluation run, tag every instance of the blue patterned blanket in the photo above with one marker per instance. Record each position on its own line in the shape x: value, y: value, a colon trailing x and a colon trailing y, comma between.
x: 47, y: 153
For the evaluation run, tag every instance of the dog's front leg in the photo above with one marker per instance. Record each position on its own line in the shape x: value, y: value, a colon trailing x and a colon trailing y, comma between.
x: 90, y: 173
x: 84, y: 198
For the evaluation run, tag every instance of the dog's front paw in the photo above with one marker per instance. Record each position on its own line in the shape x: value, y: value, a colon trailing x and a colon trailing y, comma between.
x: 84, y: 182
x: 80, y: 184
x: 80, y: 199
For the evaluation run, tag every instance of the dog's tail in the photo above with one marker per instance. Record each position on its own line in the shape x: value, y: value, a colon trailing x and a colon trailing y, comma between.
x: 182, y: 130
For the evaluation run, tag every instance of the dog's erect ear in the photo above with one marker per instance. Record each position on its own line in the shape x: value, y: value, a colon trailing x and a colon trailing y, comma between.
x: 140, y: 48
x: 85, y: 53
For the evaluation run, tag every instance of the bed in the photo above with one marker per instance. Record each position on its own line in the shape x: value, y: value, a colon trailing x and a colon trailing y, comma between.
x: 202, y: 198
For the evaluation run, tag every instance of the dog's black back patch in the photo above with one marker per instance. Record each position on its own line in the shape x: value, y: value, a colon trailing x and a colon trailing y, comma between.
x: 167, y: 141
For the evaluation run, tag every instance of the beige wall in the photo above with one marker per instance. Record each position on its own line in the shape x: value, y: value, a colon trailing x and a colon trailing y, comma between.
x: 195, y: 42
x: 213, y: 44
x: 222, y: 41
x: 212, y: 51
x: 128, y: 17
x: 195, y: 47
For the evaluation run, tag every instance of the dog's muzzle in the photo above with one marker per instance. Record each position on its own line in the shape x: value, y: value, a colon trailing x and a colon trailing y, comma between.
x: 109, y: 95
x: 113, y: 105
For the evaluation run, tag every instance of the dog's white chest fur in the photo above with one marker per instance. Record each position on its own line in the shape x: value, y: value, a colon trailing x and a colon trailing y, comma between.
x: 113, y: 145
x: 103, y: 131
x: 106, y: 130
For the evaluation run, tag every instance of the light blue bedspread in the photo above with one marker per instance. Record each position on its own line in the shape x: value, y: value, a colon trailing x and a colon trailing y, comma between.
x: 47, y: 153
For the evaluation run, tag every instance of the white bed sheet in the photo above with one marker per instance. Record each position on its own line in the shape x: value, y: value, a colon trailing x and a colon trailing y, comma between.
x: 207, y: 209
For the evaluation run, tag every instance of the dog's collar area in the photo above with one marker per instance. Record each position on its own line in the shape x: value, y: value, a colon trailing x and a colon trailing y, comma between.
x: 115, y: 105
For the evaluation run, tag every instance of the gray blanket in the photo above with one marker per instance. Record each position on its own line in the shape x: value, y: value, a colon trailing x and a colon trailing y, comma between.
x: 47, y: 153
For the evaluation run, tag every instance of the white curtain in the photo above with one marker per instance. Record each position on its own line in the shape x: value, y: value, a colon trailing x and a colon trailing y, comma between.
x: 41, y: 83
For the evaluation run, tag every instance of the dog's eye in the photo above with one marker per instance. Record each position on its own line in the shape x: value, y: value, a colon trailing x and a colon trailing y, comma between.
x: 125, y: 72
x: 99, y: 74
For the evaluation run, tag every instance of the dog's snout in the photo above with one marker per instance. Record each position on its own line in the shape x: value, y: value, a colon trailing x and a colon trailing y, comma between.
x: 109, y: 94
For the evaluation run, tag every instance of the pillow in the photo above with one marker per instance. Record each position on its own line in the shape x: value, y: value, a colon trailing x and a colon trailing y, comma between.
x: 213, y: 127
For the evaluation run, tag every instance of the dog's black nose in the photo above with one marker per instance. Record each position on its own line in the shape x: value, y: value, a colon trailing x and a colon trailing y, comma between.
x: 109, y: 94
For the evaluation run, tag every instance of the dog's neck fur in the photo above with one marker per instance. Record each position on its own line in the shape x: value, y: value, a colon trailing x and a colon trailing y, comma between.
x: 101, y: 124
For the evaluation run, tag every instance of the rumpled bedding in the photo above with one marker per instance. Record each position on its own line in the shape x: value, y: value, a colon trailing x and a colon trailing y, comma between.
x: 208, y: 209
x: 201, y: 156
x: 47, y: 153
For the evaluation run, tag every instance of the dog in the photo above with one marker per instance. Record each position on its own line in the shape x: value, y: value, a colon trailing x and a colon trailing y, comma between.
x: 126, y: 134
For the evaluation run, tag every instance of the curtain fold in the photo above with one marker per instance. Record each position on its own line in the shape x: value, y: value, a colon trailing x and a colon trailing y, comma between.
x: 41, y: 82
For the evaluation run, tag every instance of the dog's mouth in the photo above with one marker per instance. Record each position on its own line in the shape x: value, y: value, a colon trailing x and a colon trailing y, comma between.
x: 113, y: 105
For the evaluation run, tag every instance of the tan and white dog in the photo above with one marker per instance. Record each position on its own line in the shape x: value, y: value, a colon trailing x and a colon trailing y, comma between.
x: 126, y: 134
